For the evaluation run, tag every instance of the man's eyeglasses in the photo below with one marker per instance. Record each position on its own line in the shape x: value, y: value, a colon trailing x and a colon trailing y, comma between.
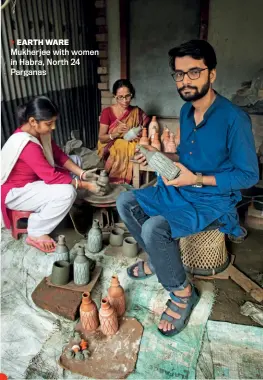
x: 193, y: 74
x: 125, y: 97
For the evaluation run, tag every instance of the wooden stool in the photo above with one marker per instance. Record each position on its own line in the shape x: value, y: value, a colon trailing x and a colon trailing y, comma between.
x: 15, y: 216
x: 205, y: 256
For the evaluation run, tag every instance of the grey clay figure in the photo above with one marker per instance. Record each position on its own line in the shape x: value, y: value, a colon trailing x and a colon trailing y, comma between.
x: 62, y: 251
x: 95, y: 238
x: 81, y: 268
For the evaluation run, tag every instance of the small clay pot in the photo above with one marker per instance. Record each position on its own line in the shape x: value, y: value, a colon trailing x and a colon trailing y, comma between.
x: 116, y: 237
x: 130, y: 247
x: 60, y: 273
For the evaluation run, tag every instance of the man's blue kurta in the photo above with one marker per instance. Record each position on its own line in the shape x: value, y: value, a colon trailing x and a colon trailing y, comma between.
x: 222, y: 145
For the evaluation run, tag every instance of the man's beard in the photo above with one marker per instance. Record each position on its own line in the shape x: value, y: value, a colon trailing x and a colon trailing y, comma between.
x: 197, y: 95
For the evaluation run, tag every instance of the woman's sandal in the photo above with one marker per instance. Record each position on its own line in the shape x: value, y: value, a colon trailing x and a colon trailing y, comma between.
x: 141, y: 273
x: 37, y: 244
x: 185, y: 313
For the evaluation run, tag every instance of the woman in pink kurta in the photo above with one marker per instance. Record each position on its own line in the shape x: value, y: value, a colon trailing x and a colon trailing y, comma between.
x: 37, y: 179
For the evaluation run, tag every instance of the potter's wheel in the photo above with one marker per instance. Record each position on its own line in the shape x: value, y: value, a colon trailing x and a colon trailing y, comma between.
x: 108, y: 198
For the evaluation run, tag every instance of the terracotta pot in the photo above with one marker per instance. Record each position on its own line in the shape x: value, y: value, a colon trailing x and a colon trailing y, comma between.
x: 130, y: 247
x: 60, y: 273
x: 116, y: 237
x: 108, y: 318
x: 62, y: 251
x: 116, y: 296
x: 170, y: 146
x: 156, y: 143
x: 144, y: 139
x: 88, y: 313
x: 153, y: 126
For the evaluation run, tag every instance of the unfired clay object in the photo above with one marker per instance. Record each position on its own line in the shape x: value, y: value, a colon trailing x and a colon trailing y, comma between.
x: 89, y: 316
x: 81, y: 268
x: 130, y: 247
x: 116, y: 237
x: 144, y: 139
x: 162, y: 164
x: 62, y: 251
x: 116, y: 296
x: 156, y: 143
x: 104, y: 181
x: 60, y: 272
x: 108, y: 318
x: 108, y: 198
x: 153, y: 126
x: 95, y: 238
x: 132, y: 133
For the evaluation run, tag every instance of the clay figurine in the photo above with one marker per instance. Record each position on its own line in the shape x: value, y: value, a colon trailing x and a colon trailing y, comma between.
x: 86, y: 354
x: 79, y: 356
x: 70, y: 354
x: 75, y: 348
x: 153, y: 126
x: 95, y: 238
x: 108, y: 318
x: 144, y: 139
x: 159, y: 162
x: 156, y: 143
x: 62, y: 251
x: 81, y: 268
x: 83, y: 344
x: 116, y: 296
x: 132, y: 133
x: 88, y: 313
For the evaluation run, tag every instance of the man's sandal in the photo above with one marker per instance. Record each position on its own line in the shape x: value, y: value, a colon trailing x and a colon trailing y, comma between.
x: 185, y: 313
x: 141, y: 273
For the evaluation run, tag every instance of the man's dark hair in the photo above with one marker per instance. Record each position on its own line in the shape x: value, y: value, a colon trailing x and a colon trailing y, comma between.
x: 197, y: 49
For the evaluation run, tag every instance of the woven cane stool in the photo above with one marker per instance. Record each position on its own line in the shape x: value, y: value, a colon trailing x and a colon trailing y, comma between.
x: 204, y: 253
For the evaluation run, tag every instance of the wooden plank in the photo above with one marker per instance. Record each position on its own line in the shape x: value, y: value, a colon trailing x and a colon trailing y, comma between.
x: 204, y: 18
x: 136, y: 175
x: 246, y: 283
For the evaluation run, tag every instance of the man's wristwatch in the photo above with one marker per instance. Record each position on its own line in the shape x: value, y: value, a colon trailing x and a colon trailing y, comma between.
x: 199, y: 180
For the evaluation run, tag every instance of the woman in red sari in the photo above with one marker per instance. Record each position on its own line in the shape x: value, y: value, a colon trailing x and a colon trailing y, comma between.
x: 115, y: 121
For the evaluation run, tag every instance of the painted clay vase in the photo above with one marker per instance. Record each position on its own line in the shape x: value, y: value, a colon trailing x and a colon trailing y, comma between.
x: 165, y: 135
x: 81, y: 268
x: 151, y: 136
x: 116, y: 237
x: 132, y: 133
x: 95, y: 237
x: 60, y: 273
x: 116, y: 296
x: 153, y: 126
x: 156, y: 142
x: 130, y: 247
x: 62, y: 251
x: 89, y: 316
x: 108, y: 318
x: 171, y: 147
x: 144, y: 139
x: 160, y: 163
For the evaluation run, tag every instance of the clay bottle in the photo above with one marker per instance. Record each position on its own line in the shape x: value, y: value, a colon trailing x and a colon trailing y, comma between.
x: 132, y: 133
x: 153, y: 125
x: 103, y: 178
x: 89, y: 315
x: 108, y: 318
x: 116, y: 296
x: 144, y: 139
x: 62, y: 251
x: 156, y: 143
x: 81, y: 268
x: 151, y: 136
x: 171, y: 147
x: 165, y: 135
x: 159, y: 162
x: 95, y: 237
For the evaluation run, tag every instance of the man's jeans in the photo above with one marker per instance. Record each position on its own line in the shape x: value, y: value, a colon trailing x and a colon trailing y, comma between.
x: 154, y: 235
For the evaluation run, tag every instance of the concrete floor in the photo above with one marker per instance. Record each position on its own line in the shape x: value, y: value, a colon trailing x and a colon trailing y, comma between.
x: 249, y: 259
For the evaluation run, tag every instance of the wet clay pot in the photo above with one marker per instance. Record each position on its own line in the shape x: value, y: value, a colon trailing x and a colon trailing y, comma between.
x: 130, y: 247
x: 116, y: 296
x: 104, y: 181
x: 116, y: 237
x: 144, y: 139
x: 60, y: 273
x: 108, y: 318
x: 95, y: 238
x: 62, y: 251
x: 81, y: 268
x: 89, y: 315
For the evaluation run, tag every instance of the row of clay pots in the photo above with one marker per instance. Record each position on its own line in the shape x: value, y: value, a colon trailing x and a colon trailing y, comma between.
x: 130, y: 245
x: 112, y: 307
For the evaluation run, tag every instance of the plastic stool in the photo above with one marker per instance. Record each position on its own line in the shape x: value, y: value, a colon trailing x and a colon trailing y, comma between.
x: 15, y: 216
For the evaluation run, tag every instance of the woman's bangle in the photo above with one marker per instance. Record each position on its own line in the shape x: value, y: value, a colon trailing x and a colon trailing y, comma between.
x: 81, y: 174
x: 111, y: 137
x: 77, y: 183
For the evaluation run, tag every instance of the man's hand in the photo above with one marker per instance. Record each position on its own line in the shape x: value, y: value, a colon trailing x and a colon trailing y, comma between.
x: 186, y: 178
x: 90, y: 175
x: 140, y: 157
